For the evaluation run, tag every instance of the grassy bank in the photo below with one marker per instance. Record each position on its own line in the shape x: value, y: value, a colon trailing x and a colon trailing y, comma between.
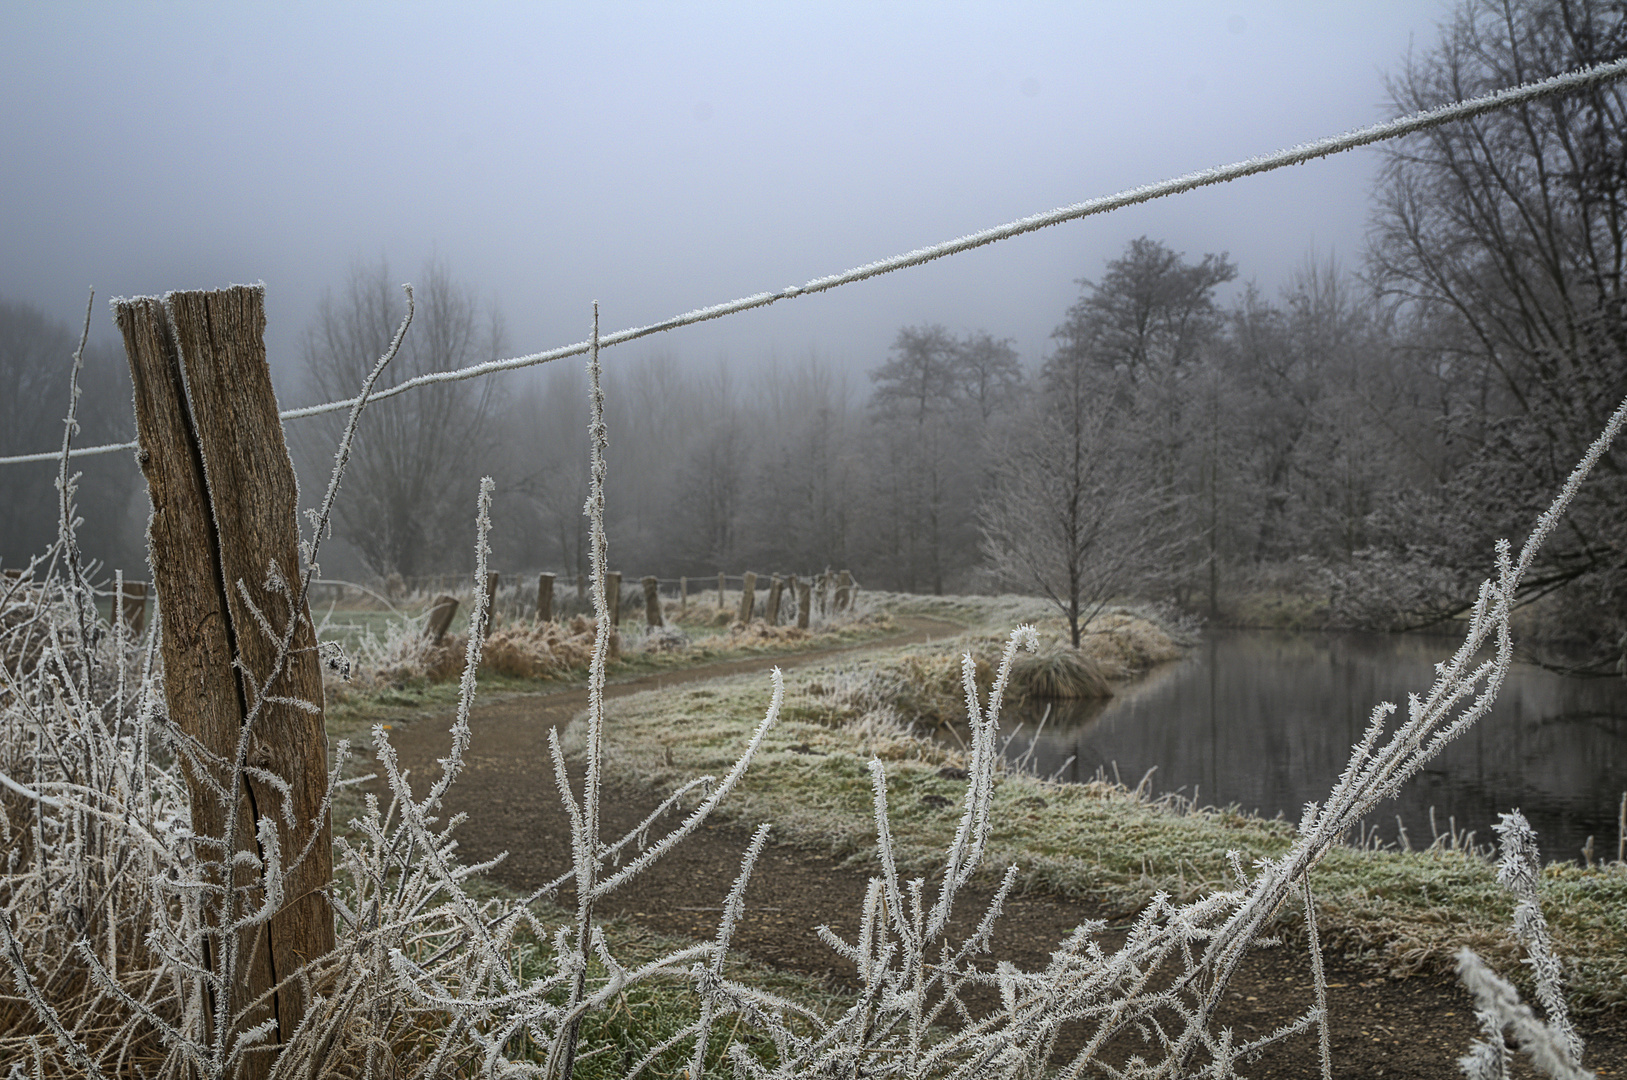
x: 1399, y: 912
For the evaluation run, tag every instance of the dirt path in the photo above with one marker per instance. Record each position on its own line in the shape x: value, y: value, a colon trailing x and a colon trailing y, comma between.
x: 1416, y: 1027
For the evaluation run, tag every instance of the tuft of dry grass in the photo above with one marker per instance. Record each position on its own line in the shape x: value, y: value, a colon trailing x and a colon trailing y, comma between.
x: 1059, y: 674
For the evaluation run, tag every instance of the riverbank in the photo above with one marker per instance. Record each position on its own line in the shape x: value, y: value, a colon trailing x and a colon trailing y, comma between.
x: 1084, y: 851
x: 1391, y: 920
x: 1397, y: 912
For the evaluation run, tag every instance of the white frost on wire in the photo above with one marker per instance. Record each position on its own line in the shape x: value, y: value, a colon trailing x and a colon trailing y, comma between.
x: 1220, y: 174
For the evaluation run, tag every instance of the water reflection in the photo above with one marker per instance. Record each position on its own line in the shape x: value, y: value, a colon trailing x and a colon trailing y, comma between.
x: 1266, y: 720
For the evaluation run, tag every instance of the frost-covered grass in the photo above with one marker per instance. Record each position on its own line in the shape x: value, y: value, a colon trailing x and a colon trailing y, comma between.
x: 1401, y: 911
x: 399, y: 675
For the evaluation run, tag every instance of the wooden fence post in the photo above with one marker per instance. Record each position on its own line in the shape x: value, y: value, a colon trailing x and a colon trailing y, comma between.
x: 748, y: 597
x: 824, y: 593
x: 441, y: 610
x: 133, y: 607
x: 721, y: 605
x: 545, y: 598
x: 771, y: 613
x: 223, y: 529
x: 844, y: 590
x: 683, y: 594
x: 652, y: 602
x: 803, y: 604
x: 791, y: 591
x: 612, y: 588
x: 582, y: 590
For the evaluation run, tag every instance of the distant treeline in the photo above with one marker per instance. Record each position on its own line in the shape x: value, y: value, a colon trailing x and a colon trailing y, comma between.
x: 1358, y: 440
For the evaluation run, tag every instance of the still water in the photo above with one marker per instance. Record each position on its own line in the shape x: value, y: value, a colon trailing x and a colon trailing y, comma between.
x: 1266, y: 720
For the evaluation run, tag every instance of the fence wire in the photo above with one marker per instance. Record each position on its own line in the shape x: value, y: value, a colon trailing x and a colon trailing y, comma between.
x: 1220, y: 174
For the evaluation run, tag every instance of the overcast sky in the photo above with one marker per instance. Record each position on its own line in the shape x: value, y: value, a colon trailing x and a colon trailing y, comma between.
x: 660, y: 157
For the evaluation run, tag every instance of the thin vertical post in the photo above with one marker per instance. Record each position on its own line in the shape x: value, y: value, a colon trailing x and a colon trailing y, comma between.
x: 748, y: 599
x: 545, y: 598
x: 771, y: 612
x: 652, y: 602
x: 133, y: 607
x: 441, y: 610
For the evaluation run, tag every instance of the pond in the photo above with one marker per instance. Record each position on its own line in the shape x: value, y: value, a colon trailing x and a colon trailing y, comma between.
x: 1266, y: 720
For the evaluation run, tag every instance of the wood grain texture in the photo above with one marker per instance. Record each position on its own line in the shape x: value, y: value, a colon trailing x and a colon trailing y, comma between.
x: 255, y: 500
x: 224, y: 512
x: 201, y: 692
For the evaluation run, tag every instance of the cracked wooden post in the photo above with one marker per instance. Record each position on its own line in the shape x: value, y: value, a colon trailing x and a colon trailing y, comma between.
x: 612, y: 588
x: 683, y: 593
x: 720, y: 604
x: 223, y: 535
x: 844, y: 590
x: 545, y: 598
x: 748, y: 598
x: 652, y: 602
x: 771, y: 611
x: 803, y: 604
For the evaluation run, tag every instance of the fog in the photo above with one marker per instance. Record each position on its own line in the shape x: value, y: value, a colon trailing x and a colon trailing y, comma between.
x: 658, y: 158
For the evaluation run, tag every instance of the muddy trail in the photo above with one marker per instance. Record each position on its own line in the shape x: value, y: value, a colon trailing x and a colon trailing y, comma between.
x: 1414, y: 1027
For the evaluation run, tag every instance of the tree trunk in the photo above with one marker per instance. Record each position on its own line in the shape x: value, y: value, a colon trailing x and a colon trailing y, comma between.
x: 223, y: 534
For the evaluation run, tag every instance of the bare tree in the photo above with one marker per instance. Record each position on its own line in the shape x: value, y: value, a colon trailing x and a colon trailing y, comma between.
x: 416, y: 455
x: 1072, y: 511
x: 712, y: 487
x: 1505, y: 238
x: 1143, y: 334
x: 990, y: 373
x: 544, y: 430
x: 1150, y: 315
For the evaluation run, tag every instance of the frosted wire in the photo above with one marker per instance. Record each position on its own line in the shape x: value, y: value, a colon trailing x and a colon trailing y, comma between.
x: 1220, y: 174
